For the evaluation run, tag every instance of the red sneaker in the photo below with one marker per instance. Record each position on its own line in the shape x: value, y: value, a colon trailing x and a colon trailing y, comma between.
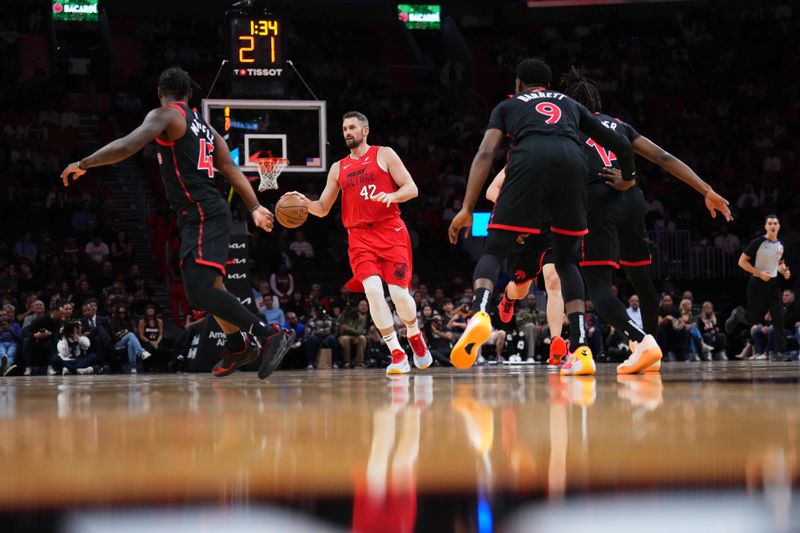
x: 422, y: 356
x: 558, y: 350
x: 506, y: 309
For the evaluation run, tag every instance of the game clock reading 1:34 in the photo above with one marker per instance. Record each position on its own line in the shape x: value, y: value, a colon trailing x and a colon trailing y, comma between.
x: 256, y: 46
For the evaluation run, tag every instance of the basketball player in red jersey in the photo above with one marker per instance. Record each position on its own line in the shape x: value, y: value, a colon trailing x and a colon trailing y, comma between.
x: 373, y: 181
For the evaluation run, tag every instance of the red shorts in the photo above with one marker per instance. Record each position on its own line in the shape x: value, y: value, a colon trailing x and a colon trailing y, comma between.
x: 384, y: 250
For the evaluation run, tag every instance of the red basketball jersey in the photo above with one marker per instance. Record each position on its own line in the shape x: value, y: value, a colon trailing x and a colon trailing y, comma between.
x: 361, y: 179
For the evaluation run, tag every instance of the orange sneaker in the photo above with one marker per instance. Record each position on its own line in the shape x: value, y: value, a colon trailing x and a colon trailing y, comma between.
x: 643, y: 359
x: 558, y: 349
x: 465, y: 351
x: 579, y: 363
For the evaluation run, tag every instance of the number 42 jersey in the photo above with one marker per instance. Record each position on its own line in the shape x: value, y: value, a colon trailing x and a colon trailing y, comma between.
x: 360, y: 180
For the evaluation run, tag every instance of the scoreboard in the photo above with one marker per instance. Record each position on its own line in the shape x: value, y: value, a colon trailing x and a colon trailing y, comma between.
x: 256, y: 54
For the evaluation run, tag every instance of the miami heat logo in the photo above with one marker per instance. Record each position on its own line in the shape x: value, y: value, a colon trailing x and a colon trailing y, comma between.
x: 519, y: 275
x: 400, y: 270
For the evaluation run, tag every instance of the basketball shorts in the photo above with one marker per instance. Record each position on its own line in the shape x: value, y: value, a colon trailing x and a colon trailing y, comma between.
x: 380, y: 249
x: 530, y: 255
x: 205, y: 232
x: 545, y: 180
x: 617, y: 234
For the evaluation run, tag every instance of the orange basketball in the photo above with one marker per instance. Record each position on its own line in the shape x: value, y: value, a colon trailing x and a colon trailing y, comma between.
x: 290, y: 212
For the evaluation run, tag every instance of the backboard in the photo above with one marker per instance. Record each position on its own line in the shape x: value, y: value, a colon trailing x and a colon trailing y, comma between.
x: 294, y: 129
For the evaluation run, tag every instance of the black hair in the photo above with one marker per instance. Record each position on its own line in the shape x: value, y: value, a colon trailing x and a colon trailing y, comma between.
x: 581, y: 89
x: 175, y: 82
x: 357, y: 114
x: 771, y: 215
x: 534, y: 72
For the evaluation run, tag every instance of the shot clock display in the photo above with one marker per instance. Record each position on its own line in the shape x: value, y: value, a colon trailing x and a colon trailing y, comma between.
x: 256, y: 46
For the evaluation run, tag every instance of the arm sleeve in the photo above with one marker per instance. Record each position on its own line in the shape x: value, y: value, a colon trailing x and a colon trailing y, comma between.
x: 497, y: 118
x: 84, y: 342
x: 752, y: 248
x: 621, y: 146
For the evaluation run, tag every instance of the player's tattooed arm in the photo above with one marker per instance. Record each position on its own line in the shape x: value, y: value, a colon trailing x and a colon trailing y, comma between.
x: 154, y: 123
x: 322, y: 207
x: 407, y: 189
x: 478, y: 173
x: 655, y: 154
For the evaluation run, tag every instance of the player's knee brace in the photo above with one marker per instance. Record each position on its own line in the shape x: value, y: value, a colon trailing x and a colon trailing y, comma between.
x: 378, y: 308
x: 403, y: 302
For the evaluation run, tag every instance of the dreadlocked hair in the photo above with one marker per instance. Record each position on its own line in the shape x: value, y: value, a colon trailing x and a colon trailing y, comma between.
x: 581, y: 89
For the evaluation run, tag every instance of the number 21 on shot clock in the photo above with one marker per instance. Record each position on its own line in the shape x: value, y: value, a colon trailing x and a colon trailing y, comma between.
x: 256, y: 46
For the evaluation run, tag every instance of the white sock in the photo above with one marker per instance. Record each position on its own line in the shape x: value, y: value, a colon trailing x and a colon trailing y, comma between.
x: 392, y: 342
x: 413, y: 329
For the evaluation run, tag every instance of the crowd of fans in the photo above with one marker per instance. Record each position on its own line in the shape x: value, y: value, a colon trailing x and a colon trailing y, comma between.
x: 728, y: 110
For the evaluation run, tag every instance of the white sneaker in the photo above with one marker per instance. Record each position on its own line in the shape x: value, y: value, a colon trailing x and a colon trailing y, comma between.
x: 27, y: 371
x: 398, y: 365
x: 646, y: 354
x: 759, y: 357
x: 145, y: 354
x: 65, y: 371
x: 418, y: 346
x: 134, y: 371
x: 51, y: 371
x: 87, y: 370
x: 310, y: 367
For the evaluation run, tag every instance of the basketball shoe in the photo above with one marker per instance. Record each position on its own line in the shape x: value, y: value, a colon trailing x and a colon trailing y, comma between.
x: 232, y: 360
x: 506, y: 309
x: 275, y: 352
x: 558, y: 349
x: 579, y: 363
x: 645, y: 356
x: 422, y: 356
x: 399, y: 363
x: 465, y: 351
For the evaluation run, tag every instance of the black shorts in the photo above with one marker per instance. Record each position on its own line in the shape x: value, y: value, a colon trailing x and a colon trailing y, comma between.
x: 205, y: 234
x: 527, y: 259
x: 544, y: 171
x: 617, y: 233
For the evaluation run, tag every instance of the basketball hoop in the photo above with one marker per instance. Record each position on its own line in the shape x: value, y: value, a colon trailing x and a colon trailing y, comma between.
x: 269, y: 168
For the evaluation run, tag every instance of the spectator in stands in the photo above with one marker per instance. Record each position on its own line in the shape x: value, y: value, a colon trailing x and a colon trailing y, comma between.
x: 273, y: 312
x: 727, y: 242
x: 122, y: 329
x: 37, y: 311
x: 105, y: 278
x: 151, y: 330
x: 353, y: 334
x: 96, y: 250
x: 81, y: 219
x: 791, y: 320
x: 142, y: 295
x: 96, y: 328
x: 9, y: 280
x: 456, y: 318
x: 301, y: 247
x: 27, y: 281
x: 192, y: 327
x: 747, y: 199
x: 685, y: 329
x: 319, y: 334
x: 64, y: 292
x: 317, y: 299
x: 440, y: 340
x: 39, y: 342
x: 282, y: 284
x: 73, y: 355
x: 83, y: 292
x: 26, y: 249
x: 712, y: 333
x: 634, y: 313
x: 594, y: 331
x: 10, y: 340
x: 117, y: 293
x: 759, y: 334
x: 122, y: 249
x: 532, y: 323
x: 297, y: 305
x: 666, y: 334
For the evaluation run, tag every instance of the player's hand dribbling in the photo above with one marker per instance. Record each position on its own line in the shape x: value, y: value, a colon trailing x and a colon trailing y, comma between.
x: 462, y: 220
x: 296, y: 195
x: 715, y: 202
x: 262, y: 217
x: 613, y: 178
x: 73, y: 171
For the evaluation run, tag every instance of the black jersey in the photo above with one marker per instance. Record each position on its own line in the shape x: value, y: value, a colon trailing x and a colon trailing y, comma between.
x: 597, y: 157
x: 187, y: 164
x: 547, y: 112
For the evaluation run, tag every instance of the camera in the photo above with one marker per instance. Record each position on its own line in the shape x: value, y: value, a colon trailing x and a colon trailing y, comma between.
x: 71, y: 328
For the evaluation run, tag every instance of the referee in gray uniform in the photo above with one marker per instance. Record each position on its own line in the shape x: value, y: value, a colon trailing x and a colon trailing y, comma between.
x: 763, y: 258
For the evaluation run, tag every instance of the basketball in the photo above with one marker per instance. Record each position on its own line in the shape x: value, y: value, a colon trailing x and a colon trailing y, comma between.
x: 290, y: 212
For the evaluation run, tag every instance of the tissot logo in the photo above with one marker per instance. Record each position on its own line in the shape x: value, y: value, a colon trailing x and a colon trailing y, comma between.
x: 258, y: 72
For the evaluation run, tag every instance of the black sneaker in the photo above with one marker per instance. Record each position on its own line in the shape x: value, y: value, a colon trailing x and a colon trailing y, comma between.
x: 231, y: 361
x: 3, y: 365
x: 736, y: 318
x: 780, y: 357
x: 275, y: 349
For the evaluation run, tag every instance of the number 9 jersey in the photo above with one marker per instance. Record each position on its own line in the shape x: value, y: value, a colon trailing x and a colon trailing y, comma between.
x: 360, y: 180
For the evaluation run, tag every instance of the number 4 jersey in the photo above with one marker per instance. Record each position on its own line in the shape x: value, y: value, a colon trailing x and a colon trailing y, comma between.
x: 597, y: 157
x: 360, y: 180
x: 187, y: 165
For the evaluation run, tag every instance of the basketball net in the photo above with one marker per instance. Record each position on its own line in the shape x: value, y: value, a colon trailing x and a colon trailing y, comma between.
x: 269, y: 168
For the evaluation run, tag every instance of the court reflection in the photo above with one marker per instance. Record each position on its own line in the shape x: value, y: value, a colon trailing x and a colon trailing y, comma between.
x: 385, y: 445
